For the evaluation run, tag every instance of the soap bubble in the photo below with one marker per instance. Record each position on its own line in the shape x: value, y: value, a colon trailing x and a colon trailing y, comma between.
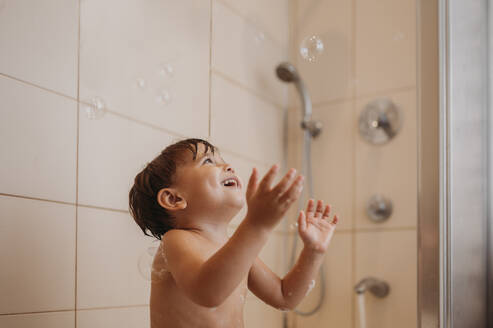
x: 166, y: 70
x: 141, y: 83
x: 96, y: 109
x: 293, y: 226
x: 146, y: 259
x: 145, y: 265
x: 259, y: 37
x: 163, y: 97
x: 311, y: 47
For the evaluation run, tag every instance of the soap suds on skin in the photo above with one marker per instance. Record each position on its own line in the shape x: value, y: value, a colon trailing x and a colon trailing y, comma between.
x: 310, y: 287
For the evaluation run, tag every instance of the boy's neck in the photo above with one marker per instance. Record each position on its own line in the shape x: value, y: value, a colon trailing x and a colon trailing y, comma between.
x: 216, y: 232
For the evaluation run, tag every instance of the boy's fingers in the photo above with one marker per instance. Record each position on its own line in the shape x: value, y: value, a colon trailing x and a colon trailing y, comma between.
x: 283, y: 185
x: 310, y: 206
x: 326, y: 212
x: 252, y: 183
x: 301, y: 221
x: 320, y: 207
x: 335, y: 219
x: 293, y: 192
x: 267, y: 180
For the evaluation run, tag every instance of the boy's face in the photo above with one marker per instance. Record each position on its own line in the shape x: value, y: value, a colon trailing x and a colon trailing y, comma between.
x: 207, y: 186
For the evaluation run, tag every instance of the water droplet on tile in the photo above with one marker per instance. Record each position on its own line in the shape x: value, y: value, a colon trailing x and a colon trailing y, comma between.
x: 398, y: 36
x: 163, y: 97
x: 96, y: 108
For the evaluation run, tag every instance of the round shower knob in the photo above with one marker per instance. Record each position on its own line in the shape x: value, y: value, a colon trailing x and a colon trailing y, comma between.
x: 379, y: 208
x: 380, y: 121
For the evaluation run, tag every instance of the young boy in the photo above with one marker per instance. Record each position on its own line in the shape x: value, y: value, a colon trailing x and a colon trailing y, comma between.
x: 186, y: 197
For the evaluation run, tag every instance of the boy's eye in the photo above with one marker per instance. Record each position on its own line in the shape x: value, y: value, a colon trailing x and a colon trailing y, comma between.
x: 207, y: 159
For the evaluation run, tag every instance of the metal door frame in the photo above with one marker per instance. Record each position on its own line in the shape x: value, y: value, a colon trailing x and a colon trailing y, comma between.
x: 452, y: 163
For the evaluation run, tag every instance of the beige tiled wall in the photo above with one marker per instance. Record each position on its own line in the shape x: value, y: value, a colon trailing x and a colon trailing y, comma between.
x: 369, y: 53
x: 67, y: 241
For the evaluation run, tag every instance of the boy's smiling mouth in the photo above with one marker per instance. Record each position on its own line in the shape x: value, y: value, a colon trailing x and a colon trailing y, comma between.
x: 231, y: 182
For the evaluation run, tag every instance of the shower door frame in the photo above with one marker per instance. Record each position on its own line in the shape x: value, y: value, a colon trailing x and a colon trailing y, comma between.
x: 452, y: 78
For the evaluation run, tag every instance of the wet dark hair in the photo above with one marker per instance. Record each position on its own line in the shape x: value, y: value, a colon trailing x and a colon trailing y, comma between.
x: 158, y: 174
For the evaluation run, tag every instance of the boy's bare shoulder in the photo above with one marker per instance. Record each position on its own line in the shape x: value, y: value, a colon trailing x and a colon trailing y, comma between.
x: 179, y: 241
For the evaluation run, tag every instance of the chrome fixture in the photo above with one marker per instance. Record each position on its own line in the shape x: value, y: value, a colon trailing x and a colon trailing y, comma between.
x: 379, y: 208
x: 287, y: 73
x: 377, y: 287
x: 380, y: 121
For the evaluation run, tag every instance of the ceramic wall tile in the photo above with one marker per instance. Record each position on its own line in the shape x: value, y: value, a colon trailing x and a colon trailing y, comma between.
x: 329, y: 75
x: 385, y: 45
x: 269, y: 17
x: 245, y: 124
x: 112, y: 150
x: 37, y: 248
x: 113, y: 260
x: 39, y: 42
x: 378, y: 255
x: 130, y: 317
x: 40, y: 320
x: 332, y: 158
x: 38, y: 143
x: 239, y: 53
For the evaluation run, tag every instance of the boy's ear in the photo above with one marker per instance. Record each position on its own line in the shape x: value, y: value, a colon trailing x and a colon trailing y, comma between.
x: 171, y: 200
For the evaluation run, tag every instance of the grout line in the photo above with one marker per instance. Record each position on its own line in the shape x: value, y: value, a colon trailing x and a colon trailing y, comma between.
x: 77, y: 164
x: 248, y: 89
x: 334, y: 101
x: 36, y: 198
x: 350, y: 230
x: 245, y: 158
x: 353, y: 107
x: 385, y: 92
x: 210, y: 63
x: 37, y: 86
x: 392, y: 229
x: 154, y: 127
x: 354, y: 97
x: 112, y: 307
x: 77, y: 310
x: 37, y: 312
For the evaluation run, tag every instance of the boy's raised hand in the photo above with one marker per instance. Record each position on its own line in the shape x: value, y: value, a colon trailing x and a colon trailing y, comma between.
x: 315, y: 228
x: 266, y: 205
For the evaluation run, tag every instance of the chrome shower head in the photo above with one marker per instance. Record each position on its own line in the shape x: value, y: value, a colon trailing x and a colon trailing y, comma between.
x: 287, y: 72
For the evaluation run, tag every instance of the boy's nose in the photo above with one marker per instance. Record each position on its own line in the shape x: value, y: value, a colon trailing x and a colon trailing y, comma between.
x: 230, y: 168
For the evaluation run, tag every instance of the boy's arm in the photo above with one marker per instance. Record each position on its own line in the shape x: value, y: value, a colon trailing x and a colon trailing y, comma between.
x: 316, y: 231
x: 209, y: 281
x: 286, y: 293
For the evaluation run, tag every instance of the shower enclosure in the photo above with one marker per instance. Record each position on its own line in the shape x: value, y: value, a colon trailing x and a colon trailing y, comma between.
x: 387, y: 114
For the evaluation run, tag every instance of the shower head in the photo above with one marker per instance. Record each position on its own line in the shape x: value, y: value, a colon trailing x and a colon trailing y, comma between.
x: 287, y: 72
